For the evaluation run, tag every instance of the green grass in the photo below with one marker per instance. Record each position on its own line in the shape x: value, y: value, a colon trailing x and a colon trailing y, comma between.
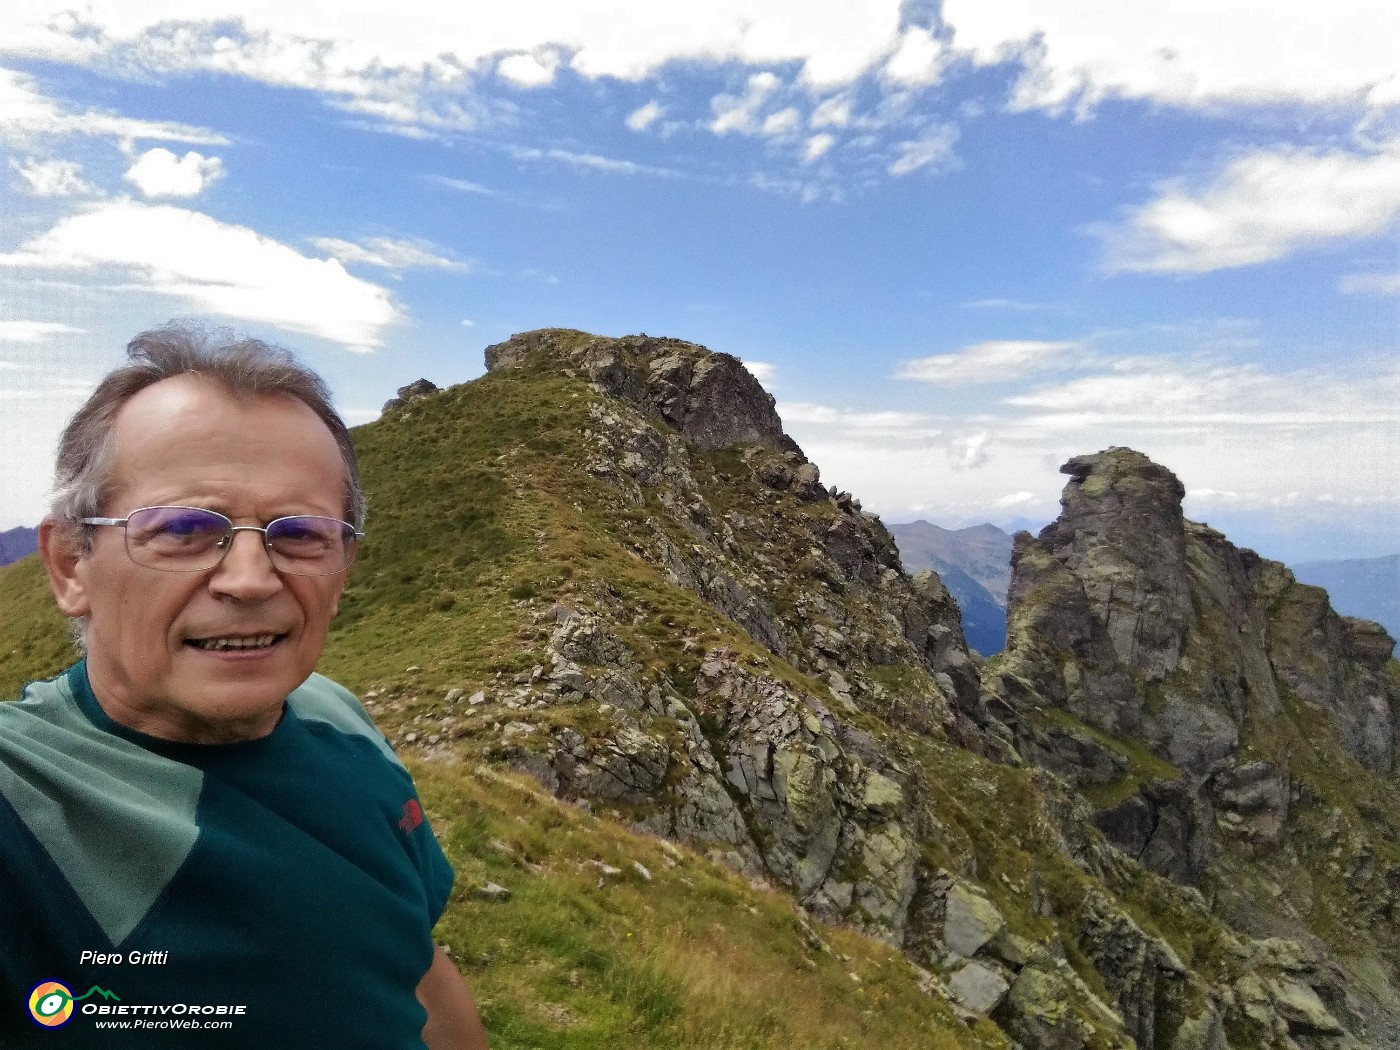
x: 34, y: 641
x: 694, y: 957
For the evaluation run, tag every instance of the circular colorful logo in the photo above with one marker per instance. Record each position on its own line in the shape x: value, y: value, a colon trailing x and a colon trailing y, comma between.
x: 51, y: 1004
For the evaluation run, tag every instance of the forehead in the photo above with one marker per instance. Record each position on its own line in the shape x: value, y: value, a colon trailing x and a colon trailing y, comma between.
x: 187, y: 438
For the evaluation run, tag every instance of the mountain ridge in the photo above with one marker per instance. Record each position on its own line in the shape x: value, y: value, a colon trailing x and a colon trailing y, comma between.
x: 584, y: 567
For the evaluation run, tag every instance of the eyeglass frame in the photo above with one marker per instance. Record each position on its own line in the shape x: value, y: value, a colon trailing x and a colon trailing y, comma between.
x: 228, y: 544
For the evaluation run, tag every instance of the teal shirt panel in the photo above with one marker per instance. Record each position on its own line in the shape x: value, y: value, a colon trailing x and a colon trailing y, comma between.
x: 307, y: 893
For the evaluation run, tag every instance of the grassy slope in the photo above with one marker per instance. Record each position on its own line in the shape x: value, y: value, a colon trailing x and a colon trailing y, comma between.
x: 691, y: 957
x: 33, y: 636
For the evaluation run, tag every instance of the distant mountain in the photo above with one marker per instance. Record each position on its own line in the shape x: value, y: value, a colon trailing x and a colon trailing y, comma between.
x: 1365, y: 587
x: 975, y: 564
x: 17, y: 542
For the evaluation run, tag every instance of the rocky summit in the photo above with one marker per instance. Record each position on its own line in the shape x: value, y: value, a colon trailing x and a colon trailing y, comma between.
x: 1166, y: 816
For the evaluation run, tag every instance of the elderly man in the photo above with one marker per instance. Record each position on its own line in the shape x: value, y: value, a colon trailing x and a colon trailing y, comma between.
x: 196, y: 830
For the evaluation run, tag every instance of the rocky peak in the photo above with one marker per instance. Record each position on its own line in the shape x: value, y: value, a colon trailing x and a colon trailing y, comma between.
x: 710, y: 398
x: 1121, y: 531
x: 416, y: 389
x: 1229, y: 727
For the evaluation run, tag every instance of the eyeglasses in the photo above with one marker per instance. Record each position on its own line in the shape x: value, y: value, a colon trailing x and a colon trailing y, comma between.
x: 192, y: 539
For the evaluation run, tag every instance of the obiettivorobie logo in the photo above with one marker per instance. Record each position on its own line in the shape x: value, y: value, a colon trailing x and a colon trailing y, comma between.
x: 51, y: 1003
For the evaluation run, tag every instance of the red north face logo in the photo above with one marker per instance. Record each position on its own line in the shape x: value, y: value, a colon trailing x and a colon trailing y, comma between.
x: 412, y: 816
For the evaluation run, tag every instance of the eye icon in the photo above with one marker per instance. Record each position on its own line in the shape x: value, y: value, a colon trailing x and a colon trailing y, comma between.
x: 50, y: 1004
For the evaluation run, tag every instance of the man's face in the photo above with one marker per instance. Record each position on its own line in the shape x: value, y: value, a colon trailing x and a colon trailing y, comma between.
x: 185, y: 442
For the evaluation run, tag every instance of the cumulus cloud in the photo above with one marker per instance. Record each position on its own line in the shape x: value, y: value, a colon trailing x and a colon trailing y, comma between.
x: 352, y: 54
x: 1078, y: 52
x: 834, y: 112
x: 968, y: 450
x: 918, y: 61
x: 761, y: 370
x: 532, y: 70
x: 783, y: 122
x: 932, y: 149
x: 644, y: 117
x: 27, y: 115
x: 989, y: 362
x: 52, y: 178
x: 817, y: 147
x: 739, y: 113
x: 160, y: 173
x: 215, y: 267
x: 1262, y: 206
x: 390, y: 254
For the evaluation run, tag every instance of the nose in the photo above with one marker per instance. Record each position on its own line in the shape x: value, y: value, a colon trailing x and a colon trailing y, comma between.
x: 246, y: 572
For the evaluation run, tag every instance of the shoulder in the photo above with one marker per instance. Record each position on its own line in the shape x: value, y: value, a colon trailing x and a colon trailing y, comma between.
x: 45, y: 709
x: 321, y: 700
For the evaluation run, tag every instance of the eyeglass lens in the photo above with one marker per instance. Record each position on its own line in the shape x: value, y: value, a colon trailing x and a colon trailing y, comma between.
x: 187, y: 539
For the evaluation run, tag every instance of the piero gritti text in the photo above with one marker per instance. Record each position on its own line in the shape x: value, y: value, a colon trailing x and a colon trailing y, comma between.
x: 135, y: 958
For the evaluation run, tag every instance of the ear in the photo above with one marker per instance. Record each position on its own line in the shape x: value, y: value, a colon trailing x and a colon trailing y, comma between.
x: 60, y: 547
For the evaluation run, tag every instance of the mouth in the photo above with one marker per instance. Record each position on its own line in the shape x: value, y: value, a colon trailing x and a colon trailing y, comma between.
x: 235, y: 642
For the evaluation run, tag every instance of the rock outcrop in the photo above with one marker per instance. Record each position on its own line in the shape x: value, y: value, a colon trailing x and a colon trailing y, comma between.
x: 1215, y: 711
x: 755, y: 674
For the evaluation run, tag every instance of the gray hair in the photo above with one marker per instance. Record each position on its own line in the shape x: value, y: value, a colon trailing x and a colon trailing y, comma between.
x: 243, y: 367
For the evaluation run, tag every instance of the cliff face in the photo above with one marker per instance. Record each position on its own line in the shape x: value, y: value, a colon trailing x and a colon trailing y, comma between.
x: 842, y: 745
x: 1233, y: 732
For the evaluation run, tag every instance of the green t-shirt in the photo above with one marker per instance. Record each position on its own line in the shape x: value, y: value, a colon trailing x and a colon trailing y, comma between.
x: 273, y: 892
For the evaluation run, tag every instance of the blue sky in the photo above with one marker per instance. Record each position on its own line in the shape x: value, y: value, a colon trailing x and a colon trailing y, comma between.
x: 959, y: 242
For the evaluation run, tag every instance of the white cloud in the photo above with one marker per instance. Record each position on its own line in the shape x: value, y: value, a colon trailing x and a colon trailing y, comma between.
x: 389, y: 254
x: 159, y: 173
x: 989, y: 362
x: 1371, y: 284
x: 873, y: 431
x: 354, y: 52
x: 1158, y: 393
x: 533, y: 70
x: 817, y: 146
x: 968, y: 451
x: 918, y: 61
x: 834, y: 112
x: 761, y: 370
x: 739, y: 113
x: 216, y: 267
x: 1017, y: 501
x: 27, y: 115
x: 783, y: 122
x: 591, y: 161
x: 33, y: 331
x: 467, y: 322
x: 644, y: 117
x: 1262, y: 206
x: 1081, y: 51
x: 52, y: 178
x: 461, y: 185
x: 934, y: 147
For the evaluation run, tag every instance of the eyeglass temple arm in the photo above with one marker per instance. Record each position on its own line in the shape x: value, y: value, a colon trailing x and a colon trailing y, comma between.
x: 101, y: 521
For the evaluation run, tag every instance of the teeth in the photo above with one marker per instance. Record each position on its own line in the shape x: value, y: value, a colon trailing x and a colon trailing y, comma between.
x: 218, y: 644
